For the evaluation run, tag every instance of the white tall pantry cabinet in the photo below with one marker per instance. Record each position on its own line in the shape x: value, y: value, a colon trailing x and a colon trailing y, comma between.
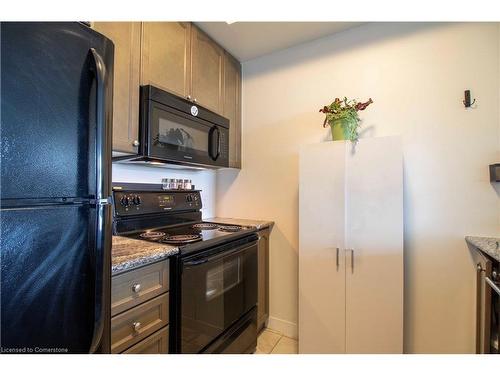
x: 351, y: 247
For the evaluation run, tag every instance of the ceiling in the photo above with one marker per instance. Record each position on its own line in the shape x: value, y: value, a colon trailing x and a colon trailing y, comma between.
x: 248, y: 40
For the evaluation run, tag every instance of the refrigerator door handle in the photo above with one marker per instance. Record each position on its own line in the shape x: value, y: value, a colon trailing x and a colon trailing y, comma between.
x: 102, y: 149
x: 103, y: 201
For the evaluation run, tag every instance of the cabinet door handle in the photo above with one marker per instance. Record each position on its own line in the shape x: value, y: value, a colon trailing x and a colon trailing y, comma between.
x: 352, y: 260
x: 338, y: 261
x: 136, y: 288
x: 136, y: 326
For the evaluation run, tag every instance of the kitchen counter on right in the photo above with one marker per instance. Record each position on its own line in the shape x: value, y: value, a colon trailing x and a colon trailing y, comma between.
x: 258, y: 224
x: 488, y: 245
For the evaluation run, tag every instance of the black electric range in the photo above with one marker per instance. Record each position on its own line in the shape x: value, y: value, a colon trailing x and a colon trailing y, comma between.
x: 213, y: 279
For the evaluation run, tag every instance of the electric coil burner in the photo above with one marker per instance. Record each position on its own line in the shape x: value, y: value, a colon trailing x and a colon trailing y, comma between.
x: 152, y: 235
x: 180, y: 239
x: 213, y: 279
x: 231, y: 228
x: 206, y: 226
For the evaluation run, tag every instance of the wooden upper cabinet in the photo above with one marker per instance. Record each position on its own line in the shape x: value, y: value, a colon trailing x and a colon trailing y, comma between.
x: 166, y: 56
x: 177, y: 57
x: 232, y: 107
x: 126, y: 37
x: 207, y: 63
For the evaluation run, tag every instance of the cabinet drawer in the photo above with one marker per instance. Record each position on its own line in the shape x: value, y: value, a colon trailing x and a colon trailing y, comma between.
x: 134, y: 287
x: 157, y: 343
x: 136, y: 324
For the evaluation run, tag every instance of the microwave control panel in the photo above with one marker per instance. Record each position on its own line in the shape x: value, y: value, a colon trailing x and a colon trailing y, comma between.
x: 128, y: 203
x: 224, y: 150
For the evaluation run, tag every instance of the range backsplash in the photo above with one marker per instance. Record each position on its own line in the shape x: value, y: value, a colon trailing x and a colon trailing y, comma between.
x: 203, y: 180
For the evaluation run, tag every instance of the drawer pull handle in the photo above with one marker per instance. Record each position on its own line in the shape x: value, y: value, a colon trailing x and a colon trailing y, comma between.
x: 136, y: 288
x: 137, y: 326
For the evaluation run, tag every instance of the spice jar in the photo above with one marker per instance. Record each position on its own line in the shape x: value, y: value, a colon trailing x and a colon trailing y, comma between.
x: 165, y: 183
x: 180, y: 183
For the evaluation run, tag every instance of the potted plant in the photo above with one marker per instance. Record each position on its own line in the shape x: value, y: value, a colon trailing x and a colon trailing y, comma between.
x: 342, y: 116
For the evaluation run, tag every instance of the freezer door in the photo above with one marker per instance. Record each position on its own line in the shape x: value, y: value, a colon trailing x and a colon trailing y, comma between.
x: 48, y: 106
x: 47, y: 275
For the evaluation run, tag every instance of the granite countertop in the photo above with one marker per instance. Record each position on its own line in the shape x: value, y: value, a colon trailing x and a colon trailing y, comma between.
x: 488, y: 245
x: 127, y: 253
x: 258, y: 224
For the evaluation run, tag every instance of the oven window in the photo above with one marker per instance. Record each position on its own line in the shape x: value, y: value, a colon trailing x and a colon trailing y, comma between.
x: 181, y: 136
x: 222, y: 278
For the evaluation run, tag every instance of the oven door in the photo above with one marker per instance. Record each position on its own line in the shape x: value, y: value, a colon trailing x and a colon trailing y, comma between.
x: 176, y: 136
x: 487, y: 305
x: 216, y: 291
x: 492, y: 315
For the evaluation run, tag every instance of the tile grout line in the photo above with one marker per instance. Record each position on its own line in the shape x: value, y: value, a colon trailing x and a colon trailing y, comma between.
x: 275, y: 345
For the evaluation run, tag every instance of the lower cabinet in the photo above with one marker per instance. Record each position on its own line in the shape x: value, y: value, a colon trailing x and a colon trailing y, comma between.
x: 157, y: 343
x: 263, y: 278
x: 140, y: 310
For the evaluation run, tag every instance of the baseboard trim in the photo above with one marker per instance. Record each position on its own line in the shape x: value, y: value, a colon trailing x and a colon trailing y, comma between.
x: 284, y: 327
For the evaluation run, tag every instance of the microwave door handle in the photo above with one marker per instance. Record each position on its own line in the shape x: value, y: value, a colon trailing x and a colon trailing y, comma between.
x: 211, y: 145
x: 218, y: 144
x: 210, y: 142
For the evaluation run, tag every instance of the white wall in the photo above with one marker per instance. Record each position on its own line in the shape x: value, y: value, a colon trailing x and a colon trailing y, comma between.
x: 416, y: 75
x: 204, y: 180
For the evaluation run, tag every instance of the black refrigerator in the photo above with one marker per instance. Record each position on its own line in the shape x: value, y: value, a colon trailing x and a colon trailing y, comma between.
x: 55, y: 240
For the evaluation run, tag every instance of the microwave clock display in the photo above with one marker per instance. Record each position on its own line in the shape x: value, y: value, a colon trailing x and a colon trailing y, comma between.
x: 166, y: 200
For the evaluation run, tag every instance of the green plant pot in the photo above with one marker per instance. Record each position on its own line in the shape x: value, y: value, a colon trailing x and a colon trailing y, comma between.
x: 338, y: 131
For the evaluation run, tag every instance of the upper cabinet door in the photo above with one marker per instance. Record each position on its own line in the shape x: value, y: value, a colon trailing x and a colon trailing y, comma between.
x: 166, y: 55
x: 126, y: 37
x: 374, y: 232
x: 232, y: 108
x: 207, y: 71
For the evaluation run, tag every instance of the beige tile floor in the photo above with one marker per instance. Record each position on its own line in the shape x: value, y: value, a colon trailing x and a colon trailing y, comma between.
x: 271, y: 342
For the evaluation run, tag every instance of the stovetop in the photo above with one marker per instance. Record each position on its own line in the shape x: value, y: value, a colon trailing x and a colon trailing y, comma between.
x: 147, y: 212
x: 192, y: 237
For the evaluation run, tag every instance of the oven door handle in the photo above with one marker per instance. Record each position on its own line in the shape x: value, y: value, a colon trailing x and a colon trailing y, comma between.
x: 493, y: 285
x: 223, y: 254
x: 196, y: 262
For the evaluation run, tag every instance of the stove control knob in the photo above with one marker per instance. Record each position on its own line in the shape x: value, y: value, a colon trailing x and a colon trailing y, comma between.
x: 136, y: 200
x: 124, y: 201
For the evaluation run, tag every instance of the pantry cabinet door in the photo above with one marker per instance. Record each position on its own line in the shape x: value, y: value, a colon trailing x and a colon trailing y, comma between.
x: 232, y: 108
x: 126, y: 37
x: 166, y: 56
x: 374, y: 232
x: 207, y: 68
x: 321, y: 240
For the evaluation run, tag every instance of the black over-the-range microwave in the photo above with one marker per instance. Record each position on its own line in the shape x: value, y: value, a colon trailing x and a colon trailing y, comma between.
x: 176, y: 131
